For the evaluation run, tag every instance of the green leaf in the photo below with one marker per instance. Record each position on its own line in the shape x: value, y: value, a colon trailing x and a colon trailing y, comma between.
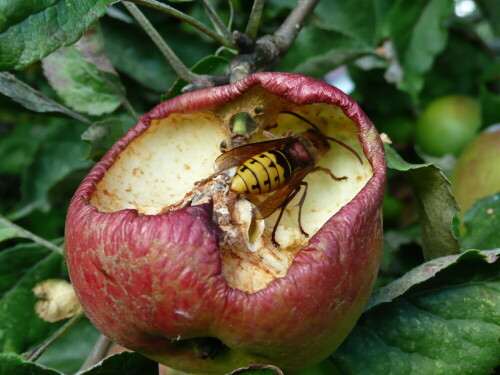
x: 400, y: 254
x: 20, y: 141
x: 490, y: 95
x: 490, y: 102
x: 102, y: 135
x: 212, y: 65
x: 419, y: 34
x: 32, y: 99
x: 69, y: 352
x: 20, y: 326
x: 59, y: 155
x: 446, y: 325
x: 491, y: 11
x: 436, y: 207
x: 124, y: 363
x: 16, y: 261
x: 31, y: 30
x: 481, y: 223
x: 435, y: 204
x: 83, y: 76
x: 423, y: 273
x: 308, y: 57
x: 15, y: 364
x: 346, y: 18
x: 326, y: 367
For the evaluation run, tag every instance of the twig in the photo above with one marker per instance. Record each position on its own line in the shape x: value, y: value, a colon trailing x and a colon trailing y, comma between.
x: 27, y: 234
x: 123, y: 98
x: 128, y: 106
x: 254, y: 20
x: 216, y: 21
x: 98, y: 352
x: 177, y: 65
x: 231, y: 15
x: 188, y: 19
x: 264, y: 52
x: 291, y: 27
x: 270, y: 48
x: 34, y: 354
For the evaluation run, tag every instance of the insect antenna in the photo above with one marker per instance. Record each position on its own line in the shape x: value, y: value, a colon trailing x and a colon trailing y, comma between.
x: 346, y: 147
x: 329, y: 138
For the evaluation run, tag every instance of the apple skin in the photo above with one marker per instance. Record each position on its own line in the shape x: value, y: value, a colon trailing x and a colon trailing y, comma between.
x: 153, y: 283
x: 476, y: 174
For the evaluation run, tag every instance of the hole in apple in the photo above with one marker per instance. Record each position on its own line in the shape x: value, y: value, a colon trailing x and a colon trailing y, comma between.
x: 159, y: 170
x: 242, y: 122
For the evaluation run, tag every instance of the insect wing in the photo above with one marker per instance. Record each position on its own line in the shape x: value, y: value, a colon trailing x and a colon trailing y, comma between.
x: 238, y: 155
x: 278, y: 199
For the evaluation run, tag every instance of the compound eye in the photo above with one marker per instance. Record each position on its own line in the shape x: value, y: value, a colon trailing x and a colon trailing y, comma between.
x: 223, y: 146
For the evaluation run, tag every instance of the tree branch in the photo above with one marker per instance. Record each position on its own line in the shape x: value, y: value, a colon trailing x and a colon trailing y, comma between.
x: 264, y: 52
x: 176, y: 64
x: 188, y: 19
x: 291, y: 27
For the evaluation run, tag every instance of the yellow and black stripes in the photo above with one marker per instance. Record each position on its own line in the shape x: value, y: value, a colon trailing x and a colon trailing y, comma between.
x: 262, y: 173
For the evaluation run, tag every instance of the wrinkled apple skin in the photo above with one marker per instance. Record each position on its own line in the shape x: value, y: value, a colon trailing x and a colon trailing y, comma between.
x: 151, y: 282
x: 477, y: 174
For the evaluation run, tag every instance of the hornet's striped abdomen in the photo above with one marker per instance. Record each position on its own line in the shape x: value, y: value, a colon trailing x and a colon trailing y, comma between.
x: 262, y: 173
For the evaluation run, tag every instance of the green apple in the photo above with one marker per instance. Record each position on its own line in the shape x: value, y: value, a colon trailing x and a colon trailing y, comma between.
x: 447, y: 124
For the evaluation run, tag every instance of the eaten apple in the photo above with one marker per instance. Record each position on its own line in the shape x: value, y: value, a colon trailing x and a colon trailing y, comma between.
x: 168, y: 261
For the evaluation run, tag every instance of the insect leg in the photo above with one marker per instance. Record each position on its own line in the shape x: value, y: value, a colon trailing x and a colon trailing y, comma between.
x: 282, y: 211
x: 269, y: 134
x: 328, y: 172
x: 301, y: 203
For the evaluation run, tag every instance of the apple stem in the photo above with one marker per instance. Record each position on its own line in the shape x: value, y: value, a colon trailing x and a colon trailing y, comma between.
x: 239, y: 123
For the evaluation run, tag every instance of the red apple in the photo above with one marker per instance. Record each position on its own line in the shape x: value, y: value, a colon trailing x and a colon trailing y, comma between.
x: 178, y: 271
